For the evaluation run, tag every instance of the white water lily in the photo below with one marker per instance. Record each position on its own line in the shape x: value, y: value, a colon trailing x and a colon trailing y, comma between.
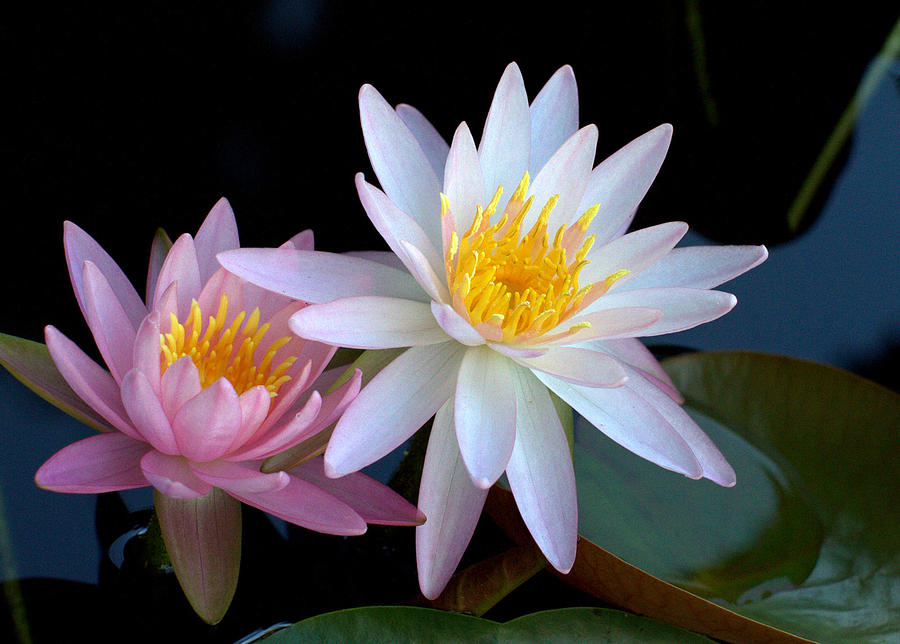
x: 510, y: 276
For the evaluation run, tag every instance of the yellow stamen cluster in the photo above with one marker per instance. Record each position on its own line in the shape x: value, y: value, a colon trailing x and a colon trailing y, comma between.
x: 219, y: 351
x: 514, y: 285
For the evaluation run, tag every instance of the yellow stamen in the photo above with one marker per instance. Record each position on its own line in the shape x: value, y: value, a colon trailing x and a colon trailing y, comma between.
x: 219, y: 351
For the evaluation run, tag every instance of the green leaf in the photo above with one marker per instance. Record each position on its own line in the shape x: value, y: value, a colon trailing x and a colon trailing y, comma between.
x: 203, y: 539
x: 407, y: 624
x: 807, y: 541
x: 30, y: 363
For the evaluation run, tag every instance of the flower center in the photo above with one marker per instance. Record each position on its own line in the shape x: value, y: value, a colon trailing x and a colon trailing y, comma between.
x: 219, y: 351
x: 518, y: 286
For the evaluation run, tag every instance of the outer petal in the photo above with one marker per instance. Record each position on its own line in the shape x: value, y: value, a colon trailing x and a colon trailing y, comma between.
x: 506, y: 141
x: 313, y: 276
x: 238, y: 478
x: 112, y: 330
x: 433, y: 144
x: 394, y: 404
x: 699, y: 267
x: 399, y: 162
x: 554, y: 117
x: 633, y: 353
x: 395, y: 225
x: 375, y: 502
x: 206, y: 425
x: 217, y: 233
x: 621, y: 181
x: 368, y: 323
x: 541, y: 474
x: 485, y: 414
x: 450, y: 501
x: 90, y: 381
x: 714, y: 465
x: 80, y: 248
x: 102, y: 463
x: 633, y: 252
x: 565, y: 174
x: 172, y: 476
x: 683, y: 308
x: 627, y: 419
x: 304, y: 504
x: 181, y: 266
x: 147, y: 413
x: 579, y: 366
x: 463, y: 181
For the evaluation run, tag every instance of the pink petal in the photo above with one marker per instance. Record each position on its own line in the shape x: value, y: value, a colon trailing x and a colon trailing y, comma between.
x: 239, y: 479
x: 112, y: 330
x: 506, y: 140
x: 565, y: 174
x: 217, y: 233
x: 485, y: 414
x: 621, y: 181
x: 714, y: 465
x: 284, y: 437
x: 223, y: 283
x: 682, y: 308
x: 255, y: 404
x: 313, y: 276
x: 433, y: 144
x: 159, y: 248
x: 375, y: 502
x: 368, y: 323
x: 146, y: 350
x: 334, y: 403
x: 630, y: 421
x: 395, y: 225
x: 579, y: 366
x: 699, y: 267
x: 541, y: 475
x: 205, y: 426
x: 102, y: 463
x: 180, y: 266
x: 463, y: 182
x: 451, y: 503
x: 147, y: 413
x: 399, y: 162
x: 172, y: 476
x: 633, y: 252
x: 80, y: 248
x: 180, y: 383
x: 93, y: 384
x: 455, y: 325
x: 308, y: 506
x: 554, y: 117
x: 394, y: 404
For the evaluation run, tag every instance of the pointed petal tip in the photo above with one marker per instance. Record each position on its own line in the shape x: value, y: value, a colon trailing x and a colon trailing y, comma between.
x: 331, y: 471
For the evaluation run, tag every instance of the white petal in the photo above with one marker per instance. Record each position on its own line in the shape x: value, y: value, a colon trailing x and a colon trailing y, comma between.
x: 565, y: 174
x: 432, y: 143
x: 485, y: 413
x: 314, y: 276
x: 451, y: 504
x: 368, y: 323
x: 463, y: 182
x: 394, y: 404
x: 424, y: 274
x: 455, y: 325
x: 630, y: 421
x: 400, y: 163
x: 699, y: 266
x: 506, y: 141
x: 395, y: 225
x: 632, y: 352
x: 632, y: 252
x: 541, y: 474
x: 554, y: 116
x: 579, y: 366
x: 682, y: 308
x: 621, y: 181
x: 609, y: 323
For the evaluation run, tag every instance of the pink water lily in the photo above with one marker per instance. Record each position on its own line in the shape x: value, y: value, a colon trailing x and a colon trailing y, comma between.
x: 511, y: 278
x: 204, y: 381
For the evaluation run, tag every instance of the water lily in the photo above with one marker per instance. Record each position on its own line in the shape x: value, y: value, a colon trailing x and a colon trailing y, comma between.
x: 204, y: 381
x: 511, y: 277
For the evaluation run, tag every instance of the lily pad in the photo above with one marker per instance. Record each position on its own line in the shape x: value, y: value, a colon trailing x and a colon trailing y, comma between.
x: 806, y: 542
x: 408, y: 624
